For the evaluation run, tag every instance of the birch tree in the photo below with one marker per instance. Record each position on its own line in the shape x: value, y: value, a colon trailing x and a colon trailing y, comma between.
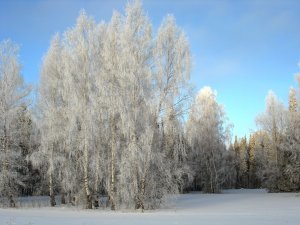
x: 112, y: 101
x: 171, y: 92
x: 173, y: 64
x: 175, y: 148
x: 80, y: 73
x: 273, y: 122
x: 207, y: 135
x: 136, y: 117
x: 51, y: 117
x: 13, y: 98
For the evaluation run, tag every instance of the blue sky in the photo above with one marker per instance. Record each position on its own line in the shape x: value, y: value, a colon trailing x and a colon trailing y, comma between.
x: 240, y: 48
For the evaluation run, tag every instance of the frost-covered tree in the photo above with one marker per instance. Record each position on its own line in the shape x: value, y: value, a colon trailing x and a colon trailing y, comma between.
x: 80, y: 52
x: 31, y: 176
x: 273, y: 123
x: 51, y: 118
x: 253, y: 181
x: 237, y: 162
x: 70, y: 112
x: 243, y: 162
x: 119, y: 91
x: 207, y: 135
x: 262, y: 144
x: 289, y: 179
x: 176, y: 149
x: 139, y: 117
x: 293, y: 104
x: 136, y: 41
x: 113, y: 101
x: 13, y: 99
x: 290, y: 167
x: 230, y: 167
x: 173, y: 63
x: 157, y: 71
x: 277, y: 161
x: 171, y: 92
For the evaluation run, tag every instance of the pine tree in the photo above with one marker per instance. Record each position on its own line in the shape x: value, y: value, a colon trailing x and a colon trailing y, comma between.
x: 230, y: 165
x: 244, y: 162
x: 236, y: 147
x: 251, y: 163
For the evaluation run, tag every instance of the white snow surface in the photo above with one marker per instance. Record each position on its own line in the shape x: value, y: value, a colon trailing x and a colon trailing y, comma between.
x: 240, y: 207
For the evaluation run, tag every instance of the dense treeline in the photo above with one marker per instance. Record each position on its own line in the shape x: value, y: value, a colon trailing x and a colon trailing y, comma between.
x: 270, y: 157
x: 109, y: 120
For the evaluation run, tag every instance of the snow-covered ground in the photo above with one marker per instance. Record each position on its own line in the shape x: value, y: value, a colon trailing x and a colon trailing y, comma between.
x: 240, y: 207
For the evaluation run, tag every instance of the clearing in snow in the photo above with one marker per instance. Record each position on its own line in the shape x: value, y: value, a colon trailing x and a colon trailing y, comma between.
x: 229, y: 208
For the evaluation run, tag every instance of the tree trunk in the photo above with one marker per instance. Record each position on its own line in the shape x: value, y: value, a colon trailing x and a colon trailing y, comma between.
x: 5, y: 149
x: 51, y: 192
x: 216, y: 188
x: 51, y: 188
x: 12, y: 203
x: 6, y: 168
x: 112, y: 184
x: 237, y: 179
x: 86, y: 178
x: 69, y: 197
x: 142, y: 197
x: 63, y: 198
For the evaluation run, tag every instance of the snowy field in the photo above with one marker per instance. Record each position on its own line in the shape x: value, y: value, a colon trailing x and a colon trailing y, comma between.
x: 240, y: 207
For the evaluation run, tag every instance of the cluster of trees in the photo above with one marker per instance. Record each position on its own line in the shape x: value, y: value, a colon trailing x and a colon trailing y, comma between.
x: 278, y: 143
x: 270, y: 157
x: 109, y: 108
x: 109, y: 120
x: 108, y: 116
x: 246, y: 161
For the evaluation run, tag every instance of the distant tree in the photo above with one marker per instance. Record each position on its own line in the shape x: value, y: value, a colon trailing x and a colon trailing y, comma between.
x: 251, y: 164
x: 289, y: 179
x: 293, y: 104
x: 244, y: 162
x: 261, y: 150
x: 207, y: 135
x: 290, y: 166
x: 237, y: 162
x: 273, y: 123
x: 230, y: 167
